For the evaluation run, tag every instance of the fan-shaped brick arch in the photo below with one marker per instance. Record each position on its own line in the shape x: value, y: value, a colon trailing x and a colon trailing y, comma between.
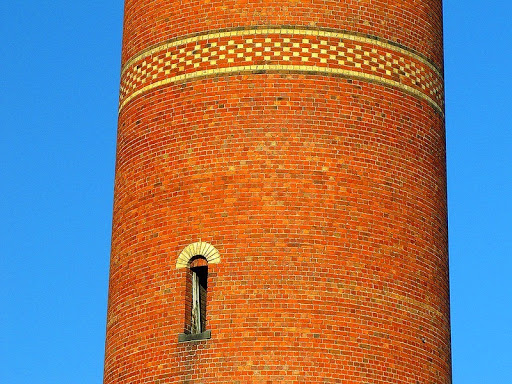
x: 208, y: 251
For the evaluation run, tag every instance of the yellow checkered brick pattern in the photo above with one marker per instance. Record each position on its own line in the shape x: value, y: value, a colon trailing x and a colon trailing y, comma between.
x: 282, y: 50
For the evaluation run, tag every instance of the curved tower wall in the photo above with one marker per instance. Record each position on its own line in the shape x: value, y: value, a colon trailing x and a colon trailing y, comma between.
x: 304, y: 141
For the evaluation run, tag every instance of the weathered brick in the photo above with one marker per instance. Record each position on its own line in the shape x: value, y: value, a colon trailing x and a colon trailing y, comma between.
x: 304, y: 140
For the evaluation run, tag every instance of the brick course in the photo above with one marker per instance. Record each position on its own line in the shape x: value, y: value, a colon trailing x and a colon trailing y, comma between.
x: 322, y: 187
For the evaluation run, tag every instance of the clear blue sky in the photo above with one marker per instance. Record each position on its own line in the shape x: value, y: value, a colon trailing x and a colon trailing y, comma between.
x: 60, y: 62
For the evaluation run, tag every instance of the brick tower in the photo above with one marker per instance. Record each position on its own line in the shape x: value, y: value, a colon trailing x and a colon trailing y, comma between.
x: 280, y: 194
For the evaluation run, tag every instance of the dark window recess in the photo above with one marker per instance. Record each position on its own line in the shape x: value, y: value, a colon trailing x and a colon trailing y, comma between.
x: 199, y: 289
x: 196, y: 301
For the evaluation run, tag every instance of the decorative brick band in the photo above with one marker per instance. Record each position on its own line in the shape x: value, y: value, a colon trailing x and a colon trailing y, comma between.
x: 284, y: 50
x: 208, y: 251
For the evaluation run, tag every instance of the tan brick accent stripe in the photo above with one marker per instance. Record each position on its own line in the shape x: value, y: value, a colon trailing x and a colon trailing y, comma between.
x: 278, y: 30
x: 282, y: 50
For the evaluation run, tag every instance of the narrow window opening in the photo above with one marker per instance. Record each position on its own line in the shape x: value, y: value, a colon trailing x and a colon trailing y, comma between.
x: 196, y: 301
x: 199, y: 291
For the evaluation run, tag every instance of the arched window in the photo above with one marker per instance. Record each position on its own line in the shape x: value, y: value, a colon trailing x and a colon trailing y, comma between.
x: 196, y: 257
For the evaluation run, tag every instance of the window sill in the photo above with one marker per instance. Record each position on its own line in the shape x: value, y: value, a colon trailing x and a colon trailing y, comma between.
x: 182, y: 337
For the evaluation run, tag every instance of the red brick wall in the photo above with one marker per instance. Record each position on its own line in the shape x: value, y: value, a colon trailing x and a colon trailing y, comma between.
x: 305, y: 141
